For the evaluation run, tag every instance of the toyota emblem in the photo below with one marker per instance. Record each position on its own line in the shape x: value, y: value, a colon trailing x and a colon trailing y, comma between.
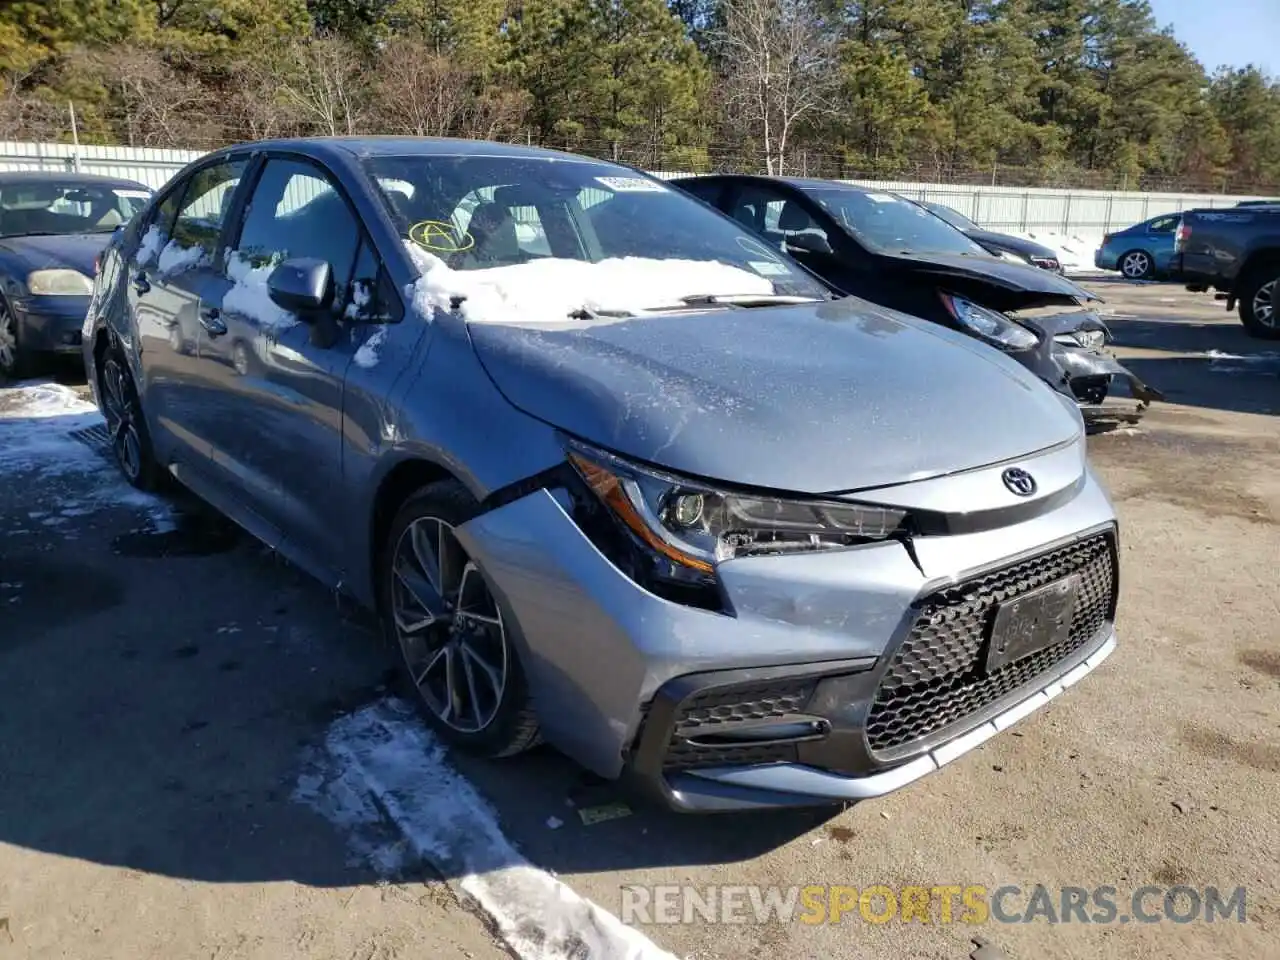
x: 1019, y: 482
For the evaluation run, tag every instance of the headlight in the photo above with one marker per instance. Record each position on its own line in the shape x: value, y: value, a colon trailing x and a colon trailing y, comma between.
x: 991, y: 326
x: 59, y: 283
x: 690, y: 527
x: 1089, y: 339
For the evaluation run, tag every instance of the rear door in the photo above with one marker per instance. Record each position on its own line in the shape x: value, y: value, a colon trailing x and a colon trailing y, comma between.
x: 172, y: 283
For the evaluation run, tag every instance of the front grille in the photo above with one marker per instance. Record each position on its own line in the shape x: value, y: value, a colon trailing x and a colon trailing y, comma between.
x: 936, y: 678
x: 717, y: 711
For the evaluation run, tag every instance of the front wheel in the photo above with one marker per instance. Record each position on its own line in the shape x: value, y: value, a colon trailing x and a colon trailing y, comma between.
x: 12, y: 361
x: 1257, y: 305
x: 440, y: 615
x: 126, y: 427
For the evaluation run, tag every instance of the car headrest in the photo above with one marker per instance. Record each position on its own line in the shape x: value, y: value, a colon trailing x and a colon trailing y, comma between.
x: 793, y: 217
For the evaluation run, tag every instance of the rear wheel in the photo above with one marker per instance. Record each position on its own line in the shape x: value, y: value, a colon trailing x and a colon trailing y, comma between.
x: 1257, y: 304
x: 441, y: 617
x: 126, y: 427
x: 1137, y: 265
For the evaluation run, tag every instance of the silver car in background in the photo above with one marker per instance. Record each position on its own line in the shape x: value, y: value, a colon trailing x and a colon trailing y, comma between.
x: 613, y: 473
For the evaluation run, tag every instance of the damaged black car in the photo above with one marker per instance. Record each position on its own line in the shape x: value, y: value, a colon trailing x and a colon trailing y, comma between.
x: 884, y: 248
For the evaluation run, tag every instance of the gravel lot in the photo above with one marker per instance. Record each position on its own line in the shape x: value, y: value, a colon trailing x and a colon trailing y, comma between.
x: 159, y: 710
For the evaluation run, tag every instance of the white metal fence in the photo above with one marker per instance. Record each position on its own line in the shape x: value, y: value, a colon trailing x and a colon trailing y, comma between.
x: 1019, y: 209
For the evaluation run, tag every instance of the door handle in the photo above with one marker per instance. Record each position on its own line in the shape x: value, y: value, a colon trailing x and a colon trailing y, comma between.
x: 212, y: 322
x: 141, y: 284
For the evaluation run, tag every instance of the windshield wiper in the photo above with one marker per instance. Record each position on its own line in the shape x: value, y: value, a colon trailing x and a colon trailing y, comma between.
x: 746, y: 299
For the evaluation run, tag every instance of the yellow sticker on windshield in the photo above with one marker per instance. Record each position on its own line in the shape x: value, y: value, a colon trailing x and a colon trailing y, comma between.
x: 440, y: 237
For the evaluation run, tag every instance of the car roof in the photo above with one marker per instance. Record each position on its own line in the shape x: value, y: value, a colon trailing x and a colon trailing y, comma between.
x: 803, y: 184
x: 389, y: 146
x: 11, y: 177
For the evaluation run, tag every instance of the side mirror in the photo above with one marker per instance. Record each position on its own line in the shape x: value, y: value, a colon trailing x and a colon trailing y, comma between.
x: 808, y: 243
x: 302, y: 285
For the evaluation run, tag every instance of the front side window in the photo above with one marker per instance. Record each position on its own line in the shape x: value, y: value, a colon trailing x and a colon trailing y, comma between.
x: 887, y: 223
x: 52, y: 207
x: 476, y: 212
x: 1163, y: 224
x: 296, y: 212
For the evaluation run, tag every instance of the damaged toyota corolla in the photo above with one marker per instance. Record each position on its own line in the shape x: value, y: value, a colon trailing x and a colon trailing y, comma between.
x: 613, y: 472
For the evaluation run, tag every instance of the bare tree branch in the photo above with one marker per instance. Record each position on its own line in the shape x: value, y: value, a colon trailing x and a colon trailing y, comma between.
x: 323, y: 79
x: 779, y: 59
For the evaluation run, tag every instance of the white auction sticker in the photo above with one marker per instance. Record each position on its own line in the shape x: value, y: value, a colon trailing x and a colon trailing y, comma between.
x: 631, y: 184
x: 135, y: 194
x: 769, y: 268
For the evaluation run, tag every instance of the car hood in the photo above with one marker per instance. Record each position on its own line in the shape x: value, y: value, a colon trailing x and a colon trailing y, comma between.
x: 1005, y: 241
x: 816, y: 398
x: 73, y: 250
x: 1011, y: 285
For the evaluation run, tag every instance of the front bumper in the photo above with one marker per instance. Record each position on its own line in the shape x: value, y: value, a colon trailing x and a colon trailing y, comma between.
x: 817, y: 634
x: 51, y: 324
x: 724, y: 788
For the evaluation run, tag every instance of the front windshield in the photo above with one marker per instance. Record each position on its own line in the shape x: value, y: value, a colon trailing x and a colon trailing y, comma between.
x: 953, y: 217
x: 887, y: 223
x: 477, y: 212
x: 42, y: 207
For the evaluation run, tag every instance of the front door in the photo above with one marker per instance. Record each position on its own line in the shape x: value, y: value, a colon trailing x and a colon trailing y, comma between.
x: 279, y: 447
x: 172, y: 282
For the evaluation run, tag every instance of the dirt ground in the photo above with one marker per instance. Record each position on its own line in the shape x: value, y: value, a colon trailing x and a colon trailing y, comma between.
x: 155, y: 711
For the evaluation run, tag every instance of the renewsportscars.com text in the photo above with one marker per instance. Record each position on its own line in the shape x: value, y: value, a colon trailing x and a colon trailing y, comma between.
x: 941, y: 904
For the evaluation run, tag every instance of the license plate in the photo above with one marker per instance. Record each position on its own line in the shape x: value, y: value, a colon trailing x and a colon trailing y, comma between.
x: 1032, y: 622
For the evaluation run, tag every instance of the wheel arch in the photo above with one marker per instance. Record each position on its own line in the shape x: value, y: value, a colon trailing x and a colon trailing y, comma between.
x: 1257, y: 260
x: 397, y: 484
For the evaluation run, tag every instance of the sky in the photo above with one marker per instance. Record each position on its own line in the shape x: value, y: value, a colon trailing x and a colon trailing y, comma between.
x: 1226, y: 32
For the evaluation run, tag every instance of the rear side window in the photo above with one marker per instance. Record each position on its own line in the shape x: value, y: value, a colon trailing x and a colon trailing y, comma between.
x: 204, y: 206
x: 1164, y: 224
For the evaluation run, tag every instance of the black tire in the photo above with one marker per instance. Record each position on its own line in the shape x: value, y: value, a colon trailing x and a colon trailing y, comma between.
x: 514, y: 726
x: 1259, y: 304
x: 135, y: 457
x: 1140, y: 258
x: 14, y: 363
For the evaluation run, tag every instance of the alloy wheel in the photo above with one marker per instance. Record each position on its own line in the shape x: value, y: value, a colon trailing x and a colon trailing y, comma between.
x: 8, y: 339
x: 1136, y: 265
x: 122, y: 414
x: 449, y: 627
x: 1264, y: 310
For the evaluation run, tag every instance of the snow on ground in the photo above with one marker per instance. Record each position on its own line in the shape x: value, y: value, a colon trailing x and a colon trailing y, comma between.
x: 381, y: 758
x: 36, y: 423
x: 1220, y: 362
x: 1075, y: 251
x: 548, y: 291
